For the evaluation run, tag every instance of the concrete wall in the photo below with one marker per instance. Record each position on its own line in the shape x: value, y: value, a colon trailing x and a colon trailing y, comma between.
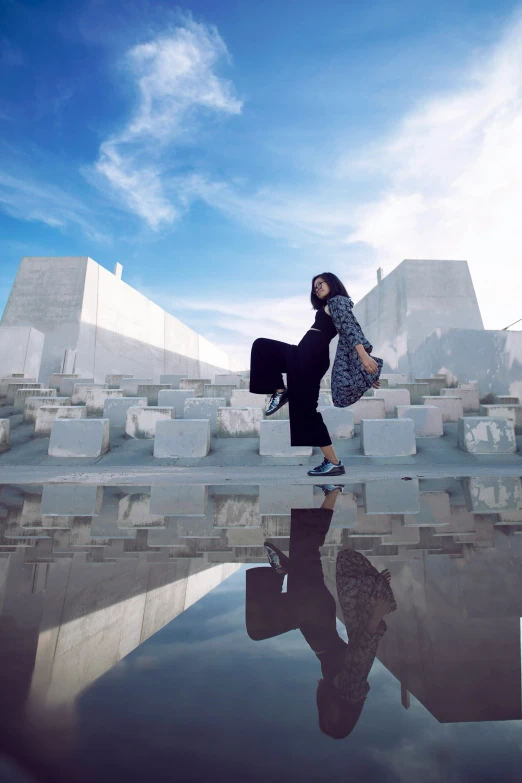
x: 415, y: 298
x: 492, y: 357
x: 20, y: 350
x: 83, y: 307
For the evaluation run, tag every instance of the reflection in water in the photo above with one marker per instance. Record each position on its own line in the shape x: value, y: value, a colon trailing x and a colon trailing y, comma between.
x: 365, y: 597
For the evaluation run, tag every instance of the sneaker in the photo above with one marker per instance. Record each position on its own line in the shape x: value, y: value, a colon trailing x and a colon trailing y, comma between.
x: 327, y: 488
x: 327, y: 468
x: 277, y: 400
x: 278, y: 560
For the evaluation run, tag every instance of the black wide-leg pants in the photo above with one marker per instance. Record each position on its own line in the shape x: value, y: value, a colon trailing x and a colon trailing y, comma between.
x: 304, y: 364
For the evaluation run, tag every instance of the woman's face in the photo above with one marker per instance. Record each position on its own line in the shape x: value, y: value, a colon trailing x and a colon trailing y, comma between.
x: 321, y: 288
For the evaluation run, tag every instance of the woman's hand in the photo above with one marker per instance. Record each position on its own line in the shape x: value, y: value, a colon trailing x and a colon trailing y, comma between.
x: 369, y: 364
x: 376, y: 385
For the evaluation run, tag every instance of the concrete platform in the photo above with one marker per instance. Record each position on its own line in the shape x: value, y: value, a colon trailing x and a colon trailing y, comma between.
x: 79, y: 437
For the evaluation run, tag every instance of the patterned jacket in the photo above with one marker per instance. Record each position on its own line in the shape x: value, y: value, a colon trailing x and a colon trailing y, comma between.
x: 349, y: 378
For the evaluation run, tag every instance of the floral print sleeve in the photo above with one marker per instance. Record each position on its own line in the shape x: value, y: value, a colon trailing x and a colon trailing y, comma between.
x: 346, y: 323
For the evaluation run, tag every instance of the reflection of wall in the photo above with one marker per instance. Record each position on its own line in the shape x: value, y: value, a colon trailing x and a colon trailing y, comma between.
x: 79, y: 305
x: 415, y: 298
x: 79, y: 618
x: 454, y: 641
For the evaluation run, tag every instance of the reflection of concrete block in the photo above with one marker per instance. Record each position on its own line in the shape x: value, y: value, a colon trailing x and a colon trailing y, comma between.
x: 487, y: 495
x: 434, y: 511
x: 175, y: 398
x: 427, y: 419
x: 371, y: 525
x: 338, y: 421
x: 450, y: 407
x: 134, y: 512
x: 274, y: 440
x: 512, y: 413
x: 392, y: 397
x: 47, y: 414
x: 245, y: 536
x: 388, y: 437
x: 219, y: 390
x: 95, y: 400
x: 484, y: 435
x: 469, y: 397
x: 141, y: 421
x: 115, y: 408
x: 71, y: 500
x: 235, y: 422
x: 5, y: 436
x: 173, y: 380
x: 391, y: 496
x: 368, y: 408
x: 80, y: 389
x: 179, y: 500
x: 236, y: 510
x: 400, y: 534
x: 197, y: 385
x: 281, y: 498
x: 203, y: 408
x: 182, y: 438
x: 129, y: 386
x: 33, y: 402
x: 66, y: 385
x: 79, y: 438
x: 12, y: 388
x: 150, y: 391
x: 242, y: 398
x: 23, y: 394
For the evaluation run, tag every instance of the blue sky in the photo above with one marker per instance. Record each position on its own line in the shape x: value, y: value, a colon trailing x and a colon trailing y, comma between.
x: 225, y: 152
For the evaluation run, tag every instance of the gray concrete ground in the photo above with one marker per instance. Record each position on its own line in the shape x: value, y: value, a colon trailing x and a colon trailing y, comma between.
x: 238, y: 460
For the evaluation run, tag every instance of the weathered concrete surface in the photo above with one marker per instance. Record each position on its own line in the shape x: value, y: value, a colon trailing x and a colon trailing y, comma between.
x: 219, y: 390
x: 388, y: 437
x: 95, y: 399
x: 176, y: 398
x: 79, y: 437
x: 236, y: 422
x: 242, y: 398
x: 416, y: 391
x: 485, y: 435
x: 173, y: 380
x: 13, y: 387
x: 204, y: 408
x: 5, y: 428
x: 182, y: 438
x: 368, y: 408
x: 340, y: 422
x: 65, y: 387
x: 22, y: 395
x: 197, y: 385
x: 391, y: 496
x: 115, y: 408
x: 427, y: 419
x: 451, y: 408
x: 80, y: 389
x: 274, y: 440
x: 71, y: 500
x: 20, y: 350
x: 512, y: 413
x: 486, y: 495
x: 469, y: 397
x: 31, y: 402
x: 392, y: 398
x: 141, y: 420
x: 150, y: 391
x: 4, y: 382
x: 60, y: 409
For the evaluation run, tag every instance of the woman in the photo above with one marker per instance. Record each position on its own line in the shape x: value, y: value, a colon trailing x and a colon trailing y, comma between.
x: 354, y: 370
x: 365, y: 597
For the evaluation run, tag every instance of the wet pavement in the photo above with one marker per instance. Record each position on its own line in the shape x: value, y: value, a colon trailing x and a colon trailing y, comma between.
x: 144, y: 634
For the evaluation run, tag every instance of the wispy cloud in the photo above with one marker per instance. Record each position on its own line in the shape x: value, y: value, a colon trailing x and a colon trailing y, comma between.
x: 175, y: 76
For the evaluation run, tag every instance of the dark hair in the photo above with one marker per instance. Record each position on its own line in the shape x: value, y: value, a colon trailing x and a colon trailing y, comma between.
x: 350, y: 713
x: 335, y: 286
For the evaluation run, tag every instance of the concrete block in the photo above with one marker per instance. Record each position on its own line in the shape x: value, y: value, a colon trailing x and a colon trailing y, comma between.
x: 235, y: 422
x: 23, y: 394
x: 46, y: 415
x: 325, y: 398
x: 32, y: 404
x: 5, y: 381
x: 274, y: 440
x: 469, y: 385
x: 141, y: 421
x: 280, y: 499
x: 242, y: 398
x: 402, y: 534
x: 129, y: 386
x: 80, y: 389
x: 204, y: 408
x: 115, y: 408
x: 236, y: 510
x: 469, y: 397
x: 245, y: 536
x: 173, y: 380
x: 182, y: 438
x: 71, y: 500
x: 13, y: 387
x: 368, y: 408
x: 427, y: 419
x: 392, y: 397
x: 391, y: 496
x: 95, y: 400
x: 150, y: 391
x: 176, y: 398
x: 388, y: 437
x: 79, y: 438
x: 513, y: 414
x: 504, y: 399
x: 435, y: 384
x: 5, y: 435
x: 113, y: 381
x: 179, y: 499
x: 134, y: 512
x: 416, y: 390
x: 66, y: 385
x: 491, y: 494
x: 339, y: 421
x: 219, y: 390
x: 451, y: 408
x: 227, y: 379
x: 197, y: 385
x: 57, y: 378
x: 484, y: 435
x: 434, y: 510
x: 394, y: 378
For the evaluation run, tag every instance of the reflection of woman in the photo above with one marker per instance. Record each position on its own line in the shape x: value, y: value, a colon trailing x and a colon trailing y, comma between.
x: 365, y: 597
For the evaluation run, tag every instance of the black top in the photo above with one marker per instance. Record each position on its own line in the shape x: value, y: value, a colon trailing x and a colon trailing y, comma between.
x: 324, y: 323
